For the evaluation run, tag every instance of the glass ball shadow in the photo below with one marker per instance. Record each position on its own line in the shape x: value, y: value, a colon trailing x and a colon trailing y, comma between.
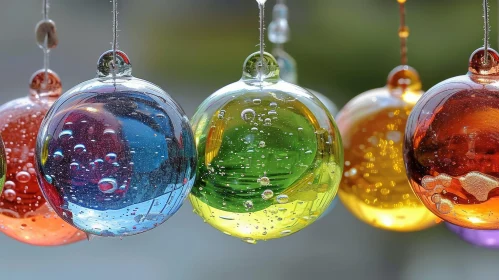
x: 374, y: 186
x: 116, y: 154
x: 270, y: 156
x: 451, y: 146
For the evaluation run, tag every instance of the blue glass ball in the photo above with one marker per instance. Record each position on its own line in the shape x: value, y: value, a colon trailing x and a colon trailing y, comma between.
x: 116, y: 154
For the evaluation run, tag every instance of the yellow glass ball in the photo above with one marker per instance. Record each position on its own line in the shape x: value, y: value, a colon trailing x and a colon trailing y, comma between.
x: 270, y: 156
x: 374, y: 186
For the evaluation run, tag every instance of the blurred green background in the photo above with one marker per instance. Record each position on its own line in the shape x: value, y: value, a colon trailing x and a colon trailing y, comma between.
x: 193, y: 47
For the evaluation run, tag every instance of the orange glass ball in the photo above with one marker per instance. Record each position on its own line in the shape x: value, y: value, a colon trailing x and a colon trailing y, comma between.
x: 452, y: 146
x: 24, y: 213
x: 374, y: 185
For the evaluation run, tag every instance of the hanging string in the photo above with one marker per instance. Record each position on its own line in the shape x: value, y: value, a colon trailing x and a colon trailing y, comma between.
x: 261, y: 6
x: 46, y: 50
x: 403, y: 33
x: 486, y: 28
x: 115, y: 35
x: 45, y: 9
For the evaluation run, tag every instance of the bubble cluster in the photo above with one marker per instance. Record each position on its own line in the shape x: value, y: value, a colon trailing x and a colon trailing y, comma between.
x: 260, y: 177
x: 113, y: 149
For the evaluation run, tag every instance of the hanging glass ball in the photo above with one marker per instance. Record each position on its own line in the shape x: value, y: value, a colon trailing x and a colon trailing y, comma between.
x: 270, y: 156
x: 116, y: 154
x: 289, y: 73
x: 24, y: 213
x: 374, y: 186
x: 481, y: 238
x: 451, y: 146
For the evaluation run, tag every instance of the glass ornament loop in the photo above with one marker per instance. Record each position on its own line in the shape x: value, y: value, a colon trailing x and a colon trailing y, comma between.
x: 106, y: 69
x: 404, y: 82
x: 46, y: 35
x: 256, y: 71
x: 279, y: 27
x: 41, y: 89
x: 478, y: 65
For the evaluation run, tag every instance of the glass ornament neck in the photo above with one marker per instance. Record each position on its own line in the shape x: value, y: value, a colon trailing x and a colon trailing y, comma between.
x: 45, y: 85
x: 257, y: 71
x: 107, y: 69
x: 279, y: 32
x: 404, y: 82
x: 479, y: 65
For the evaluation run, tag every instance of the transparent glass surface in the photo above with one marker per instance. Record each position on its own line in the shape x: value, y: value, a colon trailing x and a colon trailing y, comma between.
x: 451, y: 146
x: 374, y: 186
x: 25, y: 215
x: 116, y: 154
x: 270, y: 156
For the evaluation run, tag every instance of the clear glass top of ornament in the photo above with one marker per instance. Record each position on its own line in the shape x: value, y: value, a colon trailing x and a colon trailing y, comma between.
x: 264, y: 78
x: 404, y: 88
x: 107, y: 69
x: 482, y: 71
x: 258, y: 71
x: 404, y: 82
x: 119, y: 79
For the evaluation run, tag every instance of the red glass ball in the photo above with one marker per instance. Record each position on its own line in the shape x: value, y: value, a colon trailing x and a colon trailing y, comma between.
x: 451, y: 146
x: 24, y: 213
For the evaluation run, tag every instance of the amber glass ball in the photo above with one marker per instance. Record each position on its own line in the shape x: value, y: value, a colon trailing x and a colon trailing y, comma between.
x: 374, y: 185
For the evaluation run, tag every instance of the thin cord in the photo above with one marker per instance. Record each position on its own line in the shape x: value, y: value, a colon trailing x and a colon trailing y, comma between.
x: 486, y: 31
x: 403, y: 33
x: 45, y: 64
x: 45, y: 11
x: 115, y: 34
x: 262, y: 30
